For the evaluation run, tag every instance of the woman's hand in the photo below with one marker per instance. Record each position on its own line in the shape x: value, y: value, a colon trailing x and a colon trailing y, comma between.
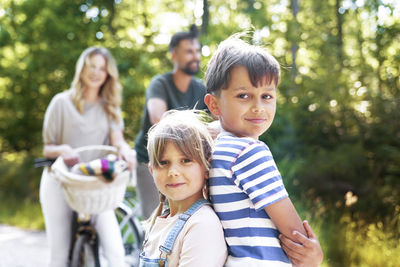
x: 124, y: 150
x: 52, y: 151
x: 308, y: 253
x: 69, y: 156
x: 129, y: 155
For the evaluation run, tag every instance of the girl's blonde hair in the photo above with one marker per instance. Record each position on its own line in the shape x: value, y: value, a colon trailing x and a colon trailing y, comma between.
x: 186, y: 130
x: 110, y: 91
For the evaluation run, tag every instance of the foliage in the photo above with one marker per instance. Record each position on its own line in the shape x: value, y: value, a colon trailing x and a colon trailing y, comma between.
x: 336, y: 135
x: 19, y: 212
x: 349, y: 240
x: 19, y: 186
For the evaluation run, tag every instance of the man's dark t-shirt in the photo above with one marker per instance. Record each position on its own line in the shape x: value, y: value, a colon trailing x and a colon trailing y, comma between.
x: 162, y: 86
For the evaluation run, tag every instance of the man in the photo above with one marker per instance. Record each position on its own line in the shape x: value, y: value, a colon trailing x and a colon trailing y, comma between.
x: 172, y: 90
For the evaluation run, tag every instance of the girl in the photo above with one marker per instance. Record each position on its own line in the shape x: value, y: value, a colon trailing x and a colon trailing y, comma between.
x: 87, y: 114
x: 189, y: 232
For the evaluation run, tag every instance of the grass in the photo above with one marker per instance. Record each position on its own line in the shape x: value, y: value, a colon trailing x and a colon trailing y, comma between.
x: 353, y: 242
x: 374, y: 244
x: 23, y: 213
x: 345, y: 242
x: 19, y: 191
x: 345, y: 239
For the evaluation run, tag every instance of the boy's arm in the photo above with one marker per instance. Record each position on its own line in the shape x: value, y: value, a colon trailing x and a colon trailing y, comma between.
x: 288, y: 222
x: 285, y: 218
x: 306, y: 253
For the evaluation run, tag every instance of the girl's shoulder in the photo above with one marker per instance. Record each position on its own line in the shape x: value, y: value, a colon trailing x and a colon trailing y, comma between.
x: 205, y: 216
x: 206, y: 236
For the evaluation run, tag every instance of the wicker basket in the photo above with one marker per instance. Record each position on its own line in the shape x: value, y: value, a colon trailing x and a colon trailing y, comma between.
x: 90, y: 194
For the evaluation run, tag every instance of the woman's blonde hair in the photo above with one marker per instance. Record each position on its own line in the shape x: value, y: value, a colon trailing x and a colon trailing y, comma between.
x: 110, y: 91
x: 186, y: 130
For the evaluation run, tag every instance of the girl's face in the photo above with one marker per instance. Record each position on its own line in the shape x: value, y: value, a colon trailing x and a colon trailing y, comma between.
x: 179, y: 178
x: 94, y: 74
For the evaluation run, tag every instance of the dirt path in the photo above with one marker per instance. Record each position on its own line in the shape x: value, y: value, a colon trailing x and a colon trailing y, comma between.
x: 22, y: 248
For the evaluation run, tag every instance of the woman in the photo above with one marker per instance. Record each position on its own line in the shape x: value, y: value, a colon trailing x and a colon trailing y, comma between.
x: 87, y: 114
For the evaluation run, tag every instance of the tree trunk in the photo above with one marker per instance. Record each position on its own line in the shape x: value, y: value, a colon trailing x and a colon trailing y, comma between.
x: 339, y: 38
x: 295, y: 10
x: 205, y: 18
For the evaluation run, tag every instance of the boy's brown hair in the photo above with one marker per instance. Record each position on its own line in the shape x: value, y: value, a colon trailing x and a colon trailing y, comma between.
x: 234, y: 52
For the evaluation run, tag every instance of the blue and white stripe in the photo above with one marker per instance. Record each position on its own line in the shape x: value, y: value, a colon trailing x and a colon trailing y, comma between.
x: 244, y: 180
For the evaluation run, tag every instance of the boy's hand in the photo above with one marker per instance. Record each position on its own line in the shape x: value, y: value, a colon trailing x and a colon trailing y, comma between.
x: 308, y: 252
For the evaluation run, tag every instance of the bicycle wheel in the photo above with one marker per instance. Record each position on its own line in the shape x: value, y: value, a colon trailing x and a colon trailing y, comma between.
x: 84, y: 254
x: 131, y: 233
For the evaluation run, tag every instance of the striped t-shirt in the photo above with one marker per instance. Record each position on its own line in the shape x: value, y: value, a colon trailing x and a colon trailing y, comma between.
x: 243, y: 180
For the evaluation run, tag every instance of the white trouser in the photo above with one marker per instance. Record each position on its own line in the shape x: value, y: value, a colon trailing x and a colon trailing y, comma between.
x: 58, y: 219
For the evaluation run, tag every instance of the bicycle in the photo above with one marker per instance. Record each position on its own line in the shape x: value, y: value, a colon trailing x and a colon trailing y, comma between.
x: 85, y: 246
x: 131, y: 229
x: 131, y: 232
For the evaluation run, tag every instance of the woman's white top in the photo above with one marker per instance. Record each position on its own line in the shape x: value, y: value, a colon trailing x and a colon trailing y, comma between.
x: 63, y: 124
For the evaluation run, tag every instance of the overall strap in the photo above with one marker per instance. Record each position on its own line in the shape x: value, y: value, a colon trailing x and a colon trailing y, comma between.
x: 178, y: 226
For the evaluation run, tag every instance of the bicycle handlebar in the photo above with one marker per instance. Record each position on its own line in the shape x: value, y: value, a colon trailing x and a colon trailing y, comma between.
x: 43, y: 162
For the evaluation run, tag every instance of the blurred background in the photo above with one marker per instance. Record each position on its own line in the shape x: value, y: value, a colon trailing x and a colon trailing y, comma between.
x: 336, y: 136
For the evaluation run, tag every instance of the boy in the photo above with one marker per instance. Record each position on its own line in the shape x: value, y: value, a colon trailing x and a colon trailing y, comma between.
x: 246, y: 188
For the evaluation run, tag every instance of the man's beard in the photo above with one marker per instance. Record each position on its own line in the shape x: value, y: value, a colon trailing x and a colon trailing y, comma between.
x: 190, y: 71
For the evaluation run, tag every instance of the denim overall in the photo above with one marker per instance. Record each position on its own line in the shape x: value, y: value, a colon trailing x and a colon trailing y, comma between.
x: 166, y: 248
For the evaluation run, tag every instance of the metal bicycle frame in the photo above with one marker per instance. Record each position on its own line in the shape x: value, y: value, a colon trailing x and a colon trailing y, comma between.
x: 85, y: 236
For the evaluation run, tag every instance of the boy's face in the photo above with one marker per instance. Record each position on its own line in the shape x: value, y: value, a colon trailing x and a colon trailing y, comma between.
x: 243, y: 109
